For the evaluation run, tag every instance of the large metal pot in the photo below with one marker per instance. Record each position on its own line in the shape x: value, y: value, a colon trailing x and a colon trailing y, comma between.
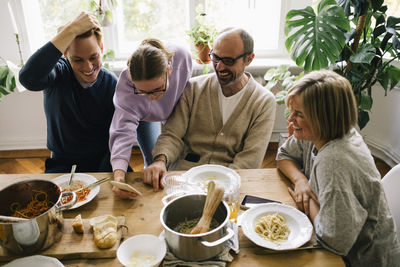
x: 39, y: 233
x: 200, y: 246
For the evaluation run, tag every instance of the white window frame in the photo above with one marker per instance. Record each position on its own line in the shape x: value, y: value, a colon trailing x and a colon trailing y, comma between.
x: 30, y: 36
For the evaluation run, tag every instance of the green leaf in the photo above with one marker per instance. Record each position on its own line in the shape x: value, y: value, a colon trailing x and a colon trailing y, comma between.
x: 109, y: 54
x: 10, y: 82
x: 383, y: 9
x: 279, y: 73
x: 389, y: 78
x: 287, y: 113
x: 379, y: 30
x: 363, y: 118
x: 346, y: 4
x: 93, y: 5
x: 3, y: 90
x: 288, y: 83
x: 270, y: 84
x: 108, y: 15
x: 376, y: 4
x: 3, y: 72
x: 366, y: 102
x: 380, y: 19
x: 392, y: 21
x: 280, y: 97
x: 364, y: 55
x: 206, y: 69
x: 315, y: 41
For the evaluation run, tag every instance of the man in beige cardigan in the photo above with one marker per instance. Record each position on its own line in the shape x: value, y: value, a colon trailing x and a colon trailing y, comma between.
x: 223, y: 118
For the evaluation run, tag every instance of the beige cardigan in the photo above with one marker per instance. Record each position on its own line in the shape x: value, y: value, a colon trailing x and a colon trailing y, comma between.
x: 195, y: 126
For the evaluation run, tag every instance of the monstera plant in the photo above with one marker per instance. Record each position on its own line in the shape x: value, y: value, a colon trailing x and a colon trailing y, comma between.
x: 353, y: 37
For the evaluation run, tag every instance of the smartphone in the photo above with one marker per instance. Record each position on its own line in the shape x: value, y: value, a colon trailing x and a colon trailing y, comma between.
x: 251, y: 201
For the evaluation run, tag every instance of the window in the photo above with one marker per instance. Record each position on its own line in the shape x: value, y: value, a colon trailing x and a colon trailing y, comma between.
x: 135, y: 20
x: 139, y: 19
x: 260, y: 18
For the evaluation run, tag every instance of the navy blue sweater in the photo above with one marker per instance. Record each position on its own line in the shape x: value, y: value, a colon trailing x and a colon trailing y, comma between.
x: 78, y: 119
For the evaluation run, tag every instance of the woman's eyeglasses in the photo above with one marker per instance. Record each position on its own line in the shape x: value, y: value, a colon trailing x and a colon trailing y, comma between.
x: 154, y: 92
x: 229, y: 61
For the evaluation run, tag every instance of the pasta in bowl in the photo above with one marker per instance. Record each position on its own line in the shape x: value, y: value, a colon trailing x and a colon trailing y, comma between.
x: 276, y: 226
x: 79, y: 181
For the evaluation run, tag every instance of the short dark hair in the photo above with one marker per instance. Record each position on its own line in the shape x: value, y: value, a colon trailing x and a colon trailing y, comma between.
x: 328, y: 101
x: 248, y: 42
x: 95, y: 31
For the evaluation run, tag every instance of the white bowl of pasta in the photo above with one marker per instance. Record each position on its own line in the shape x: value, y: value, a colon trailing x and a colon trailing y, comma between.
x: 276, y: 226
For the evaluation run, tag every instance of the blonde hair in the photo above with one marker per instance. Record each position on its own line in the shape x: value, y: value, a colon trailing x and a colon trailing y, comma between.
x: 150, y: 60
x: 328, y: 102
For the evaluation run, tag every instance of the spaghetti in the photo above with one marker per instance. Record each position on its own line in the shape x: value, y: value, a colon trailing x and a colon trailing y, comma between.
x: 80, y: 195
x: 186, y: 226
x: 273, y: 228
x: 37, y: 206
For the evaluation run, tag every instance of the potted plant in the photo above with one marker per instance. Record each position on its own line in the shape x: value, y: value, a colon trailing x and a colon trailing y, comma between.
x: 103, y: 11
x: 202, y: 35
x: 353, y: 37
x: 279, y: 81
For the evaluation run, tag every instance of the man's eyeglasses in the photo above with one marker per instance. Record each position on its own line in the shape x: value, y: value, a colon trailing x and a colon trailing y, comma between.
x: 154, y: 92
x: 229, y: 61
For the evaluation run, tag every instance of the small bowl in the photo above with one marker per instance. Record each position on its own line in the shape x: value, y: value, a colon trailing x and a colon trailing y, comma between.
x: 143, y: 245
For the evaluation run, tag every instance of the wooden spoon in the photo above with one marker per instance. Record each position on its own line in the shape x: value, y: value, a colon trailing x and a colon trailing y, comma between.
x: 210, y: 190
x: 203, y: 225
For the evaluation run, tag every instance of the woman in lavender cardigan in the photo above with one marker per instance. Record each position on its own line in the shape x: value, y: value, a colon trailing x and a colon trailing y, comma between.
x: 146, y: 94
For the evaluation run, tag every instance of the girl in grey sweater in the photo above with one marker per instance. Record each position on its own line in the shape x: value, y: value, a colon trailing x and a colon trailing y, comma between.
x: 335, y: 179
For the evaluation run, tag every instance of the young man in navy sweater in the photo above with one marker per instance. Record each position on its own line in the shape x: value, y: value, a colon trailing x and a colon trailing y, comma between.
x: 77, y: 94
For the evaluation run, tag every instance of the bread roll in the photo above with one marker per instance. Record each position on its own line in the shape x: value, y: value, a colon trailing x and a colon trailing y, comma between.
x: 77, y: 224
x: 104, y: 230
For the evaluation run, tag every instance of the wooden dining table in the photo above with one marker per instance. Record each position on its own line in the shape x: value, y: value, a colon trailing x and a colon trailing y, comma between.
x: 142, y: 216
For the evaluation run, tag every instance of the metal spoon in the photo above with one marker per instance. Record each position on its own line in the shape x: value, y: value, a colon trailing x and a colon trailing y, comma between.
x: 72, y: 174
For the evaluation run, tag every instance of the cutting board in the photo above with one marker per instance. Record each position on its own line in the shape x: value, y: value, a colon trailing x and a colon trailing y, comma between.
x: 75, y: 246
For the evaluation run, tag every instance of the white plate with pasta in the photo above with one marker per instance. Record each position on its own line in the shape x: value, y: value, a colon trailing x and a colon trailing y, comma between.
x: 276, y: 226
x: 78, y: 181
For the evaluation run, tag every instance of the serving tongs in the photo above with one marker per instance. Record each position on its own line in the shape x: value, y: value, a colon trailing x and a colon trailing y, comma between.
x: 90, y: 186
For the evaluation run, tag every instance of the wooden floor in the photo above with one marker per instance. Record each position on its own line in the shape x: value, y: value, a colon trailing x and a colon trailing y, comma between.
x: 32, y: 161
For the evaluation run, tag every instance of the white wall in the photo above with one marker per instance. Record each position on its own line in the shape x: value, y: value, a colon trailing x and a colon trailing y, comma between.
x: 23, y: 125
x: 22, y: 121
x: 382, y: 133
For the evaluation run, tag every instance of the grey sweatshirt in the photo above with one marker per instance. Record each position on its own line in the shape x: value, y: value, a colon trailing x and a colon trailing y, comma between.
x: 354, y: 219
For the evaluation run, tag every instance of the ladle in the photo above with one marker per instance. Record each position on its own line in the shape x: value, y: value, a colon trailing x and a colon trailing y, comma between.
x: 215, y: 197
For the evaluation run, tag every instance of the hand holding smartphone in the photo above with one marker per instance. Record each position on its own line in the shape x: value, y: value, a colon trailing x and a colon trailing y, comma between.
x: 126, y: 187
